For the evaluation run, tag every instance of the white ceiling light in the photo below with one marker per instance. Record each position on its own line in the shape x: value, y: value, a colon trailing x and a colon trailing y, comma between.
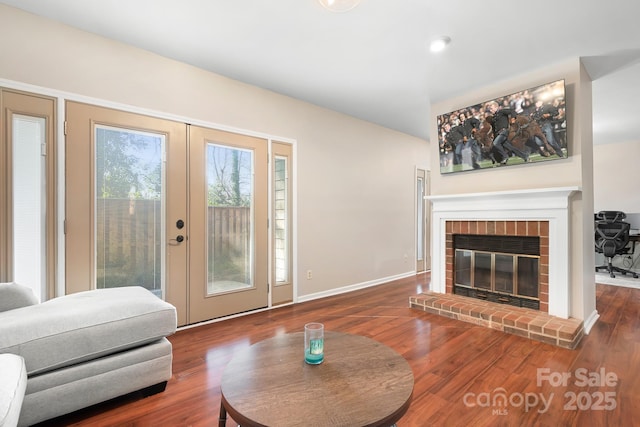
x: 339, y: 5
x: 439, y: 44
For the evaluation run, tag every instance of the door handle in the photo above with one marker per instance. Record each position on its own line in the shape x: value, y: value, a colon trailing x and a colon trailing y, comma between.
x: 179, y: 239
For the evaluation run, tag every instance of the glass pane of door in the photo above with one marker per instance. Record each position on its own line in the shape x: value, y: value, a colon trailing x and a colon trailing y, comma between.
x: 129, y: 205
x: 230, y: 216
x: 29, y: 203
x: 281, y: 220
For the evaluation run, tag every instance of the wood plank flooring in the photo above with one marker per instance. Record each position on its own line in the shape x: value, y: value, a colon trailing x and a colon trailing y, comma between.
x: 465, y: 375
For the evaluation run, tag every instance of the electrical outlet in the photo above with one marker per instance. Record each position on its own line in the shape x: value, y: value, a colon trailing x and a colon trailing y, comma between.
x: 309, y: 275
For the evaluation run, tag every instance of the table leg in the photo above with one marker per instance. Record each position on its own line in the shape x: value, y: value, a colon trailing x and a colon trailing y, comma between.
x: 222, y: 421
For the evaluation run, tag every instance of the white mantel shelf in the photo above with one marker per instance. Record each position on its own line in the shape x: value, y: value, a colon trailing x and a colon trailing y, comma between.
x: 542, y: 204
x: 549, y: 197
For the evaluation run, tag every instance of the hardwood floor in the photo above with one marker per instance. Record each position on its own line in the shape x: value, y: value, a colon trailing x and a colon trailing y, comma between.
x: 465, y: 375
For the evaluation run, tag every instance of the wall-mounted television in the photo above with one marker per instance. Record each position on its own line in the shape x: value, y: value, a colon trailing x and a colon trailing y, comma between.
x: 529, y: 126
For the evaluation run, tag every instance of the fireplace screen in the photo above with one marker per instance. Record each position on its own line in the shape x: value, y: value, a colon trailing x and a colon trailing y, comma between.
x: 496, y: 275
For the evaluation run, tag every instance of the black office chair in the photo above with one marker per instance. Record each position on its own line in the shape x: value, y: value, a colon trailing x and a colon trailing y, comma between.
x: 610, y: 216
x: 612, y: 237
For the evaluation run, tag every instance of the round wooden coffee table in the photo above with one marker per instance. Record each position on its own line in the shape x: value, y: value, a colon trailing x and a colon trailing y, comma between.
x: 360, y: 383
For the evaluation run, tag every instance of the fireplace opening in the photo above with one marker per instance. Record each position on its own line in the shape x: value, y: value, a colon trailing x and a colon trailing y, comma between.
x: 502, y: 269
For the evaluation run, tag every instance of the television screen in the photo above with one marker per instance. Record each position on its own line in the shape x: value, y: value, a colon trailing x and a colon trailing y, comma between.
x: 524, y: 127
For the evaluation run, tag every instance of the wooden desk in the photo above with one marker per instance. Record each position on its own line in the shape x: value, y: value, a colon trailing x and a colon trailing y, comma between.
x: 360, y: 383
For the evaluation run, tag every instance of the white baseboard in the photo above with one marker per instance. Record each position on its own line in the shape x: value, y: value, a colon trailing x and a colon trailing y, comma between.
x: 619, y: 280
x: 309, y: 297
x: 354, y: 287
x: 590, y: 321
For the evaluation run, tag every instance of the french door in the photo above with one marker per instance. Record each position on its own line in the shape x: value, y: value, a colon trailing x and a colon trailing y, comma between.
x: 229, y: 219
x: 177, y: 209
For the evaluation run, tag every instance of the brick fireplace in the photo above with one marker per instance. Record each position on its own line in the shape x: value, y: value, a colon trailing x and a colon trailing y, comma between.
x: 533, y: 212
x: 511, y: 228
x: 540, y: 213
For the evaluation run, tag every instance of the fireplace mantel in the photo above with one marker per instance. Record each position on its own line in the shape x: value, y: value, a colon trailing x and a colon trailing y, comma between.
x: 544, y: 204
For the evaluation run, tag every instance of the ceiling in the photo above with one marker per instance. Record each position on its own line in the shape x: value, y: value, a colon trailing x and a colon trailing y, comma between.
x: 373, y: 62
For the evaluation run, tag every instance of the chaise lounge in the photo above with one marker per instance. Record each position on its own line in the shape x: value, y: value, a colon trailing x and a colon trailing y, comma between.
x: 86, y: 348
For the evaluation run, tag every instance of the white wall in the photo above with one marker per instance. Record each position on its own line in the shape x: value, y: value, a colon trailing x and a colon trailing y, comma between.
x: 616, y: 181
x: 616, y: 177
x: 355, y: 180
x: 576, y: 170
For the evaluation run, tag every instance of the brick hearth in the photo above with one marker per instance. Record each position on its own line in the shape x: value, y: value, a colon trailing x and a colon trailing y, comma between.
x: 528, y: 323
x: 528, y: 212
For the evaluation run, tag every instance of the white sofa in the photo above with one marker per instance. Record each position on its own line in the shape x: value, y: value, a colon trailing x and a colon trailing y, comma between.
x: 13, y: 383
x: 86, y: 348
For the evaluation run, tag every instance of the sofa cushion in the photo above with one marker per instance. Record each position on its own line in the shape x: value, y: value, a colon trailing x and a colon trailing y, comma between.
x: 84, y: 326
x: 13, y: 383
x: 74, y: 387
x: 13, y: 295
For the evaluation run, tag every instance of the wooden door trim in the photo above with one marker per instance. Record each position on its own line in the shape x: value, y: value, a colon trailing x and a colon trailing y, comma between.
x: 34, y: 105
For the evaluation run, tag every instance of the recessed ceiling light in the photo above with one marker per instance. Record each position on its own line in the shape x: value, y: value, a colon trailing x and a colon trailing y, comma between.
x: 339, y: 5
x: 439, y: 44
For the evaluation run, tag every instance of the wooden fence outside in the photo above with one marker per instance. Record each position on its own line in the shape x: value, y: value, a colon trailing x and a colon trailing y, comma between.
x: 129, y: 242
